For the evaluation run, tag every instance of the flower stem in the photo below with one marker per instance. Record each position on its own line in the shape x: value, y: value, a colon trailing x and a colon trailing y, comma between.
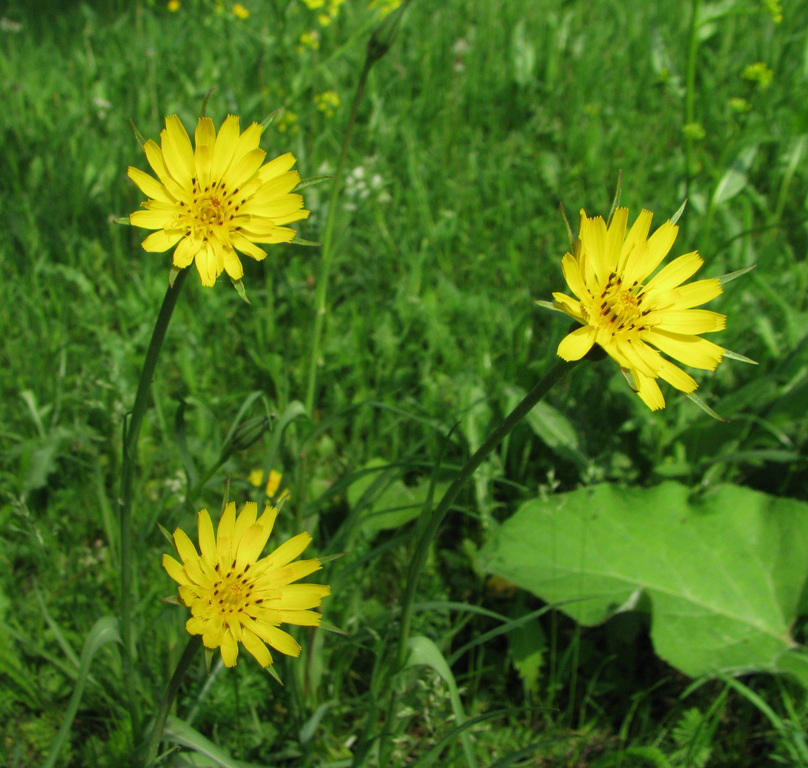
x: 130, y: 441
x: 168, y: 698
x: 690, y: 90
x: 552, y: 377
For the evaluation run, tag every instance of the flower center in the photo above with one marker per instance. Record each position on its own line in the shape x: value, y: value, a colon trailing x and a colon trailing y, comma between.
x: 232, y: 592
x: 213, y: 206
x: 620, y: 309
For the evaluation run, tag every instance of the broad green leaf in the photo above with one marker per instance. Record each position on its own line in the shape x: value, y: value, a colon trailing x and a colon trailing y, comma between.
x: 722, y: 573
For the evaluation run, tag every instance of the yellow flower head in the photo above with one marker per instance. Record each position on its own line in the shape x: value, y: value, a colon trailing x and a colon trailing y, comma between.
x: 628, y: 314
x: 240, y: 12
x: 174, y: 5
x: 256, y: 478
x: 215, y: 198
x: 237, y: 596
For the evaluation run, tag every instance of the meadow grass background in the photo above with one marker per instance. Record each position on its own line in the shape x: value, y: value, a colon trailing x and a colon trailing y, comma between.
x: 481, y: 120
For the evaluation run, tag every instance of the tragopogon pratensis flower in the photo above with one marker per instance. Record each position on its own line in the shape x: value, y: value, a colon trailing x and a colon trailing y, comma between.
x: 237, y: 596
x: 215, y: 198
x: 634, y: 318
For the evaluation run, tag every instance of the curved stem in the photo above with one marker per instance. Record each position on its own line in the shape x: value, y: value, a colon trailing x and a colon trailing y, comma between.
x: 552, y: 377
x: 168, y: 698
x: 130, y: 441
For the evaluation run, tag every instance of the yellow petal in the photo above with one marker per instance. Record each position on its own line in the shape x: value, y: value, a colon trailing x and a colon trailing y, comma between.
x: 275, y: 235
x: 207, y: 265
x: 297, y: 216
x: 225, y: 146
x: 242, y: 244
x: 225, y: 533
x: 186, y: 251
x: 177, y: 151
x: 256, y: 647
x: 290, y: 549
x: 690, y: 350
x: 245, y: 520
x: 196, y: 625
x: 153, y: 219
x: 637, y: 236
x: 659, y: 245
x: 593, y: 242
x: 276, y: 167
x: 696, y: 294
x: 241, y: 171
x: 185, y: 547
x: 677, y: 377
x: 615, y: 236
x: 277, y: 638
x: 298, y: 597
x: 246, y: 143
x: 157, y: 242
x: 175, y: 570
x: 576, y: 344
x: 690, y: 321
x: 207, y: 539
x: 675, y: 273
x: 251, y: 544
x: 267, y: 519
x: 229, y: 648
x: 574, y: 278
x: 149, y: 185
x: 301, y: 618
x: 232, y: 263
x: 649, y: 391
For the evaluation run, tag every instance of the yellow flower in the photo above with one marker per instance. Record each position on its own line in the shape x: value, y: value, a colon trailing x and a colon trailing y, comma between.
x: 236, y: 596
x: 174, y: 5
x: 628, y: 315
x: 385, y: 6
x: 256, y: 478
x: 327, y: 102
x: 217, y: 198
x: 310, y: 40
x: 240, y: 12
x: 759, y: 73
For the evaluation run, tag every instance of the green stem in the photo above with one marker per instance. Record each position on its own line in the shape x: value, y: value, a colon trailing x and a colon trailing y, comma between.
x: 168, y: 698
x: 130, y: 441
x: 328, y: 251
x: 552, y: 377
x: 690, y: 90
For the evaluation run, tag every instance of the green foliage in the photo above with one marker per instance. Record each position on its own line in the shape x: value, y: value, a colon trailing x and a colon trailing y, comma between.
x: 480, y: 120
x: 722, y: 573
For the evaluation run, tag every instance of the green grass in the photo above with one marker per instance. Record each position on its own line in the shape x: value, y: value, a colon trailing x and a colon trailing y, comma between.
x: 479, y: 122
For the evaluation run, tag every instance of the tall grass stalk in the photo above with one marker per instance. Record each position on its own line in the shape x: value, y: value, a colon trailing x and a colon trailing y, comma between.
x: 128, y: 464
x: 378, y: 45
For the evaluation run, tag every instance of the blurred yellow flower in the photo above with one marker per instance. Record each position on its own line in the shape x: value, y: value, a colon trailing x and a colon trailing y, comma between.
x: 174, y: 5
x: 287, y: 122
x: 310, y: 40
x: 759, y: 73
x: 385, y: 6
x: 327, y: 102
x: 237, y: 596
x: 256, y: 478
x: 628, y: 315
x: 313, y: 5
x: 217, y: 198
x: 240, y: 12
